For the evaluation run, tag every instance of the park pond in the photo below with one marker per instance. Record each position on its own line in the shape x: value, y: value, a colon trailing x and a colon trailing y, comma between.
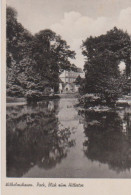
x: 52, y: 139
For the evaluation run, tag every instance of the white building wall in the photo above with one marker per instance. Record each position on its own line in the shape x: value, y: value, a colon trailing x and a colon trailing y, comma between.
x: 70, y: 77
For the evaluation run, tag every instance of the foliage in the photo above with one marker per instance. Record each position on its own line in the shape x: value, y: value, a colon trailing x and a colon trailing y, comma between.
x: 18, y: 48
x: 33, y: 62
x: 89, y: 100
x: 35, y: 94
x: 15, y: 91
x: 109, y: 48
x: 18, y: 38
x: 104, y: 54
x: 107, y: 142
x: 51, y: 55
x: 78, y: 80
x: 47, y: 143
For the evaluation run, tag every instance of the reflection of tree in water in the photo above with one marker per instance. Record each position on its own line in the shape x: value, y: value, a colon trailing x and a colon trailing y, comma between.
x: 106, y: 141
x: 34, y: 137
x: 127, y: 123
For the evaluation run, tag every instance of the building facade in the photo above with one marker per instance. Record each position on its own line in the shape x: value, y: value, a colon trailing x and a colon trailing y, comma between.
x: 68, y: 78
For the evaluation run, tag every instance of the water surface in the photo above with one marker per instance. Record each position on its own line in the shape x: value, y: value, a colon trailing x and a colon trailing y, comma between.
x: 52, y: 139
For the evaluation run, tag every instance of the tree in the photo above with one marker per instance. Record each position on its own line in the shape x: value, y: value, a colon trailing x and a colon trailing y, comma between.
x: 51, y: 55
x: 18, y: 41
x: 78, y: 80
x: 34, y: 62
x: 111, y: 47
x: 18, y: 38
x: 104, y: 54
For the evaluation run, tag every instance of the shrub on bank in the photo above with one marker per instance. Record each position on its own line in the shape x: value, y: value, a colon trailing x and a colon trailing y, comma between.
x: 15, y: 91
x: 33, y: 95
x: 90, y: 100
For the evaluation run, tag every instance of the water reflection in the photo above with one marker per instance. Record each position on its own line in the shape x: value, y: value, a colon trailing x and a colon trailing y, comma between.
x: 35, y: 137
x: 108, y: 138
x: 50, y: 139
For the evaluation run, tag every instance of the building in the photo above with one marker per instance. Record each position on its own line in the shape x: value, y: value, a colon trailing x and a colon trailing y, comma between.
x: 68, y: 78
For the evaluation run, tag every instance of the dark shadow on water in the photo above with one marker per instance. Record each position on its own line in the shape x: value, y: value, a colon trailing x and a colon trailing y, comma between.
x: 108, y: 138
x: 35, y: 137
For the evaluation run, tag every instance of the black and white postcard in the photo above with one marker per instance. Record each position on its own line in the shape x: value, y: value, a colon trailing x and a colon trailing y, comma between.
x: 66, y: 93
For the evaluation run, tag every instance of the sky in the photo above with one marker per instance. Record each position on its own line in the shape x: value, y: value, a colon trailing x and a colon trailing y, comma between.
x: 74, y: 20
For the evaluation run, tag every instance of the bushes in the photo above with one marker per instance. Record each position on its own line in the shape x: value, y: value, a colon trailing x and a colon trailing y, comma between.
x: 34, y: 95
x: 93, y: 100
x: 107, y: 90
x: 15, y: 91
x: 89, y: 100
